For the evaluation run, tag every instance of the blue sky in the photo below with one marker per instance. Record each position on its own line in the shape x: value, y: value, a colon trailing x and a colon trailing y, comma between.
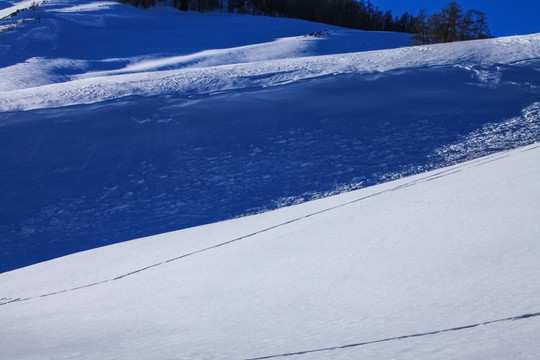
x: 504, y: 17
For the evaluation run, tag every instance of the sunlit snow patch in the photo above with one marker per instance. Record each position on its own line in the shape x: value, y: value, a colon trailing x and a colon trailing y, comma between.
x: 38, y: 71
x: 26, y: 4
x: 95, y: 6
x: 493, y: 137
x: 278, y: 49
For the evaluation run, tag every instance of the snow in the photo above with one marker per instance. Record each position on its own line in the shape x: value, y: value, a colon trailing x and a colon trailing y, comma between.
x: 209, y: 117
x: 440, y: 250
x: 258, y: 74
x: 310, y: 192
x: 6, y: 11
x: 94, y: 6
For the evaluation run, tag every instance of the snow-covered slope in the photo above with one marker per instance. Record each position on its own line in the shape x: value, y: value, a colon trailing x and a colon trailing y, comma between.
x: 92, y: 72
x: 63, y: 41
x: 118, y: 123
x: 438, y: 265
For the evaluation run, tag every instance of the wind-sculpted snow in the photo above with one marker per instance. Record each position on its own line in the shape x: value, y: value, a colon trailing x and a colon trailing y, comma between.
x: 92, y: 6
x: 278, y: 49
x: 207, y: 81
x: 113, y: 36
x: 38, y: 71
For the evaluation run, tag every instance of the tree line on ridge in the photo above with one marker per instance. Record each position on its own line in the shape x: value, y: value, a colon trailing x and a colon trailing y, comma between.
x: 451, y: 23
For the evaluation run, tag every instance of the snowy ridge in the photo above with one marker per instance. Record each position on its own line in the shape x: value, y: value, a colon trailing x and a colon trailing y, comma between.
x: 209, y: 80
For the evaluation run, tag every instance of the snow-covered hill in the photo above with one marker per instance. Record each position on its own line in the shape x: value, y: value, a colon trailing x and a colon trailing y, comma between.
x: 118, y: 123
x: 174, y: 59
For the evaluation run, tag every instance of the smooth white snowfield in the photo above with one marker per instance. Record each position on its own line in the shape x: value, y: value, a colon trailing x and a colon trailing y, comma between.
x: 455, y: 247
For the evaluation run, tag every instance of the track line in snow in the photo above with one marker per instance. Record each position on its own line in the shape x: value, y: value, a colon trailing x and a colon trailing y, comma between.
x: 431, y: 176
x: 513, y: 318
x: 532, y: 147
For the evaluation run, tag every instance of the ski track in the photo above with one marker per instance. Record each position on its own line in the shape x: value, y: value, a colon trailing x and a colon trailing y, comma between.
x: 432, y: 176
x: 402, y: 337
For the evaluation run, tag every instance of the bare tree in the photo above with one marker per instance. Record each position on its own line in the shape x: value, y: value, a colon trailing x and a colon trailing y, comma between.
x: 450, y: 19
x: 450, y: 24
x: 420, y: 28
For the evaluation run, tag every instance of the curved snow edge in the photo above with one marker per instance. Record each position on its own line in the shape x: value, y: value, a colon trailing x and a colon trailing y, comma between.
x: 209, y: 80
